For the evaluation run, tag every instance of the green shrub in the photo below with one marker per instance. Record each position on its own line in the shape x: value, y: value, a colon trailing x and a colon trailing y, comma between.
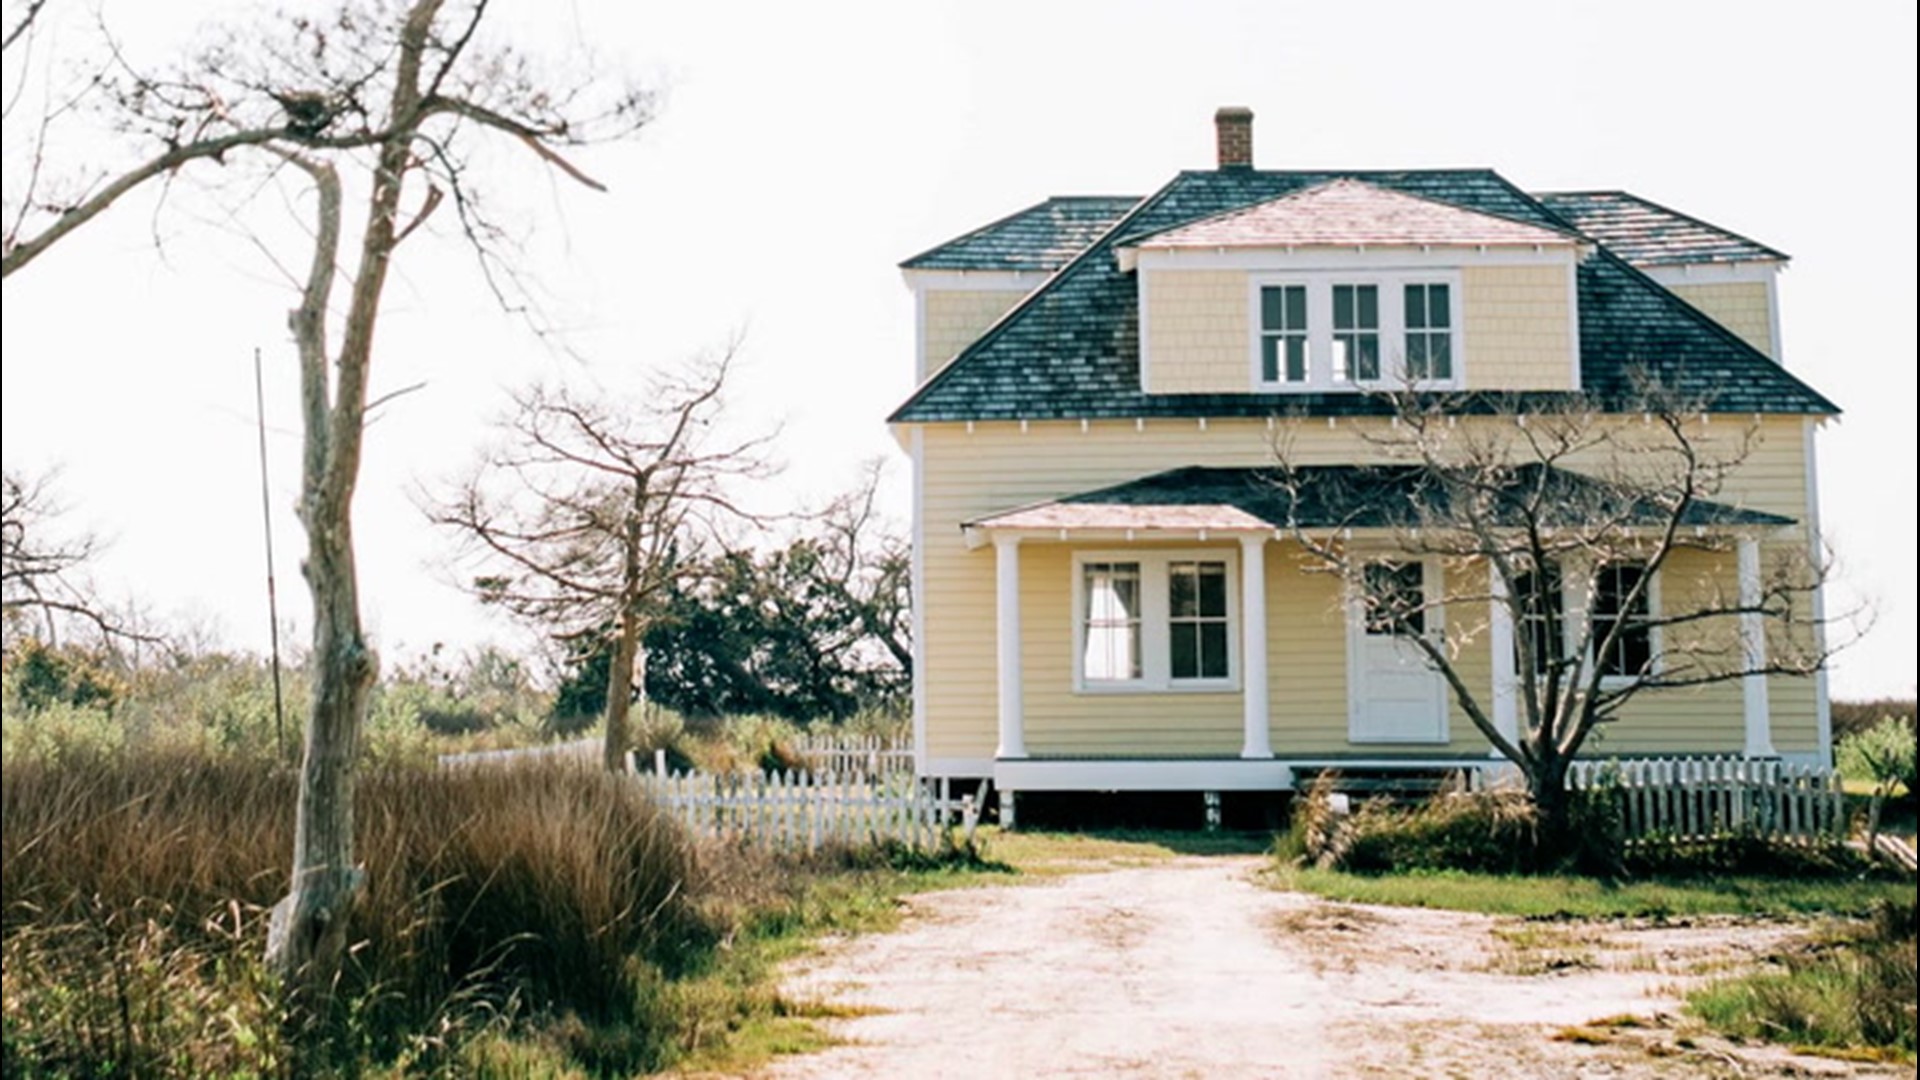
x: 1494, y: 832
x: 1882, y: 754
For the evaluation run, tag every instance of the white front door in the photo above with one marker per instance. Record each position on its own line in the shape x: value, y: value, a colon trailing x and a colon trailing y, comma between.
x: 1393, y: 695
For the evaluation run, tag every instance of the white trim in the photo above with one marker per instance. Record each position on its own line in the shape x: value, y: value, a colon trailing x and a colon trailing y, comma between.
x: 1778, y: 353
x: 1432, y: 584
x: 1823, y: 704
x: 921, y: 365
x: 1155, y: 622
x: 1506, y: 710
x: 976, y: 768
x: 1145, y: 333
x: 1573, y: 319
x: 1012, y: 722
x: 1347, y: 257
x: 1138, y: 775
x: 917, y: 569
x: 1255, y: 741
x: 1391, y: 331
x: 1753, y: 651
x: 974, y: 280
x: 1671, y: 274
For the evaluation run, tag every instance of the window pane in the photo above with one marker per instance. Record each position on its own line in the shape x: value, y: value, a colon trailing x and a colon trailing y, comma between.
x: 1439, y: 306
x: 1296, y: 359
x: 1112, y: 633
x: 1369, y: 304
x: 1185, y: 638
x: 1417, y: 356
x: 1272, y: 308
x: 1182, y: 600
x: 1270, y: 358
x: 1440, y: 347
x: 1343, y: 307
x: 1296, y: 307
x: 1213, y: 589
x: 1416, y: 307
x: 1367, y: 349
x: 1213, y: 650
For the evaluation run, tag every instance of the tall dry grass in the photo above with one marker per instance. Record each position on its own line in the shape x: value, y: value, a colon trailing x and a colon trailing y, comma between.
x: 132, y: 883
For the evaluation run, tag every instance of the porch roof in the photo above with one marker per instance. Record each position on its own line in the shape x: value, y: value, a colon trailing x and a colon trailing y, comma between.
x: 1240, y: 500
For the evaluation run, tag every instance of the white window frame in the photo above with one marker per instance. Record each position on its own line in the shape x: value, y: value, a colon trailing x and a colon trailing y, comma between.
x: 1393, y: 328
x: 1156, y: 646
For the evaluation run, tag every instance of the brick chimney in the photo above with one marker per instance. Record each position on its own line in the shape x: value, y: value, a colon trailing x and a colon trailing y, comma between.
x: 1233, y: 127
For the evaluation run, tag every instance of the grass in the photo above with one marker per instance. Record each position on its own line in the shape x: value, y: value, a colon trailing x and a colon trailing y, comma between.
x: 1572, y: 897
x: 1051, y: 854
x: 537, y: 921
x: 1850, y: 996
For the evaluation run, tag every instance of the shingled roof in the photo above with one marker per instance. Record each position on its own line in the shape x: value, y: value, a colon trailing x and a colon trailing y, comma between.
x: 1071, y: 349
x: 1647, y: 234
x: 1350, y: 497
x: 1042, y: 237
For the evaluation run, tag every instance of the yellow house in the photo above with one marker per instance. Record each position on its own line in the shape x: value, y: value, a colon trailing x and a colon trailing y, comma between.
x: 1109, y: 596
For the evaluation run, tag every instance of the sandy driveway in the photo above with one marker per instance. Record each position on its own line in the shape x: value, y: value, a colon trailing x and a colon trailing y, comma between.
x: 1190, y: 968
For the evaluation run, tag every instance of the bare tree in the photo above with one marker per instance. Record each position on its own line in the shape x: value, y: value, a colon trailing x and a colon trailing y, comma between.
x: 1557, y: 520
x: 43, y: 567
x: 399, y: 96
x: 588, y: 512
x: 866, y: 564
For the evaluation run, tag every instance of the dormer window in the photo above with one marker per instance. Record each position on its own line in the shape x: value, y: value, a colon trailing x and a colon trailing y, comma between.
x: 1342, y: 331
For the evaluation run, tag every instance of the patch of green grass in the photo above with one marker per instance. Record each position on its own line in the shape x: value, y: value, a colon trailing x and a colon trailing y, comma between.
x: 1850, y: 995
x: 1047, y: 854
x: 1565, y: 896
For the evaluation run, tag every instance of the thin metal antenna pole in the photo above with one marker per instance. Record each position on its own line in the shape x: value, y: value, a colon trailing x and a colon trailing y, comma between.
x: 273, y: 602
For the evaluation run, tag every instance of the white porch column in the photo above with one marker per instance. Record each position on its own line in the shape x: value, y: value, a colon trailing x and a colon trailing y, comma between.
x: 1013, y: 729
x: 1753, y: 648
x: 1254, y: 742
x: 1506, y: 710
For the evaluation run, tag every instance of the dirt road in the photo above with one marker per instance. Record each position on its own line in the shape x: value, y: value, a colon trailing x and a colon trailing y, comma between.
x: 1190, y: 968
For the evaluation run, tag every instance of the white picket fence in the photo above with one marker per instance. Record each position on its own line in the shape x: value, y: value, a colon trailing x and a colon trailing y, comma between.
x: 853, y: 755
x: 802, y: 811
x: 1702, y: 797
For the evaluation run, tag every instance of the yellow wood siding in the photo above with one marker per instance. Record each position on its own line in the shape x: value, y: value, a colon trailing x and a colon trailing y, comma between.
x: 997, y: 467
x: 1197, y: 336
x: 1519, y: 328
x: 1741, y: 306
x: 954, y: 318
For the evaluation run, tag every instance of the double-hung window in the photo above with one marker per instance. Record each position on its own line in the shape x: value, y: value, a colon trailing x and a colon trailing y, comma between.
x: 1616, y: 604
x: 1283, y: 334
x: 1429, y: 321
x: 1155, y: 621
x: 1341, y: 331
x: 1356, y: 333
x: 1544, y: 621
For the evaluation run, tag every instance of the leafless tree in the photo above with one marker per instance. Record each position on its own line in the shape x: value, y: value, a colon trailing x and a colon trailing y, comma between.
x: 866, y: 564
x: 588, y: 512
x: 1562, y: 516
x: 43, y: 567
x: 395, y: 97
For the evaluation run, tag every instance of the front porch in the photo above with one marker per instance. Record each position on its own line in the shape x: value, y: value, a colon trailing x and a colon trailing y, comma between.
x: 1172, y: 635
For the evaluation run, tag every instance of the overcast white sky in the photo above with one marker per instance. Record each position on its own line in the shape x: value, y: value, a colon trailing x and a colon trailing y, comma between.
x: 803, y: 150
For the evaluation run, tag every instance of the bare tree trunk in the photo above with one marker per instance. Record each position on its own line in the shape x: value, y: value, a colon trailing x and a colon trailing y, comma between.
x: 620, y: 693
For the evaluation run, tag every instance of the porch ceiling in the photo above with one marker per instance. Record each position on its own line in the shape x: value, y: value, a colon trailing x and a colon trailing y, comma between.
x: 1198, y: 498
